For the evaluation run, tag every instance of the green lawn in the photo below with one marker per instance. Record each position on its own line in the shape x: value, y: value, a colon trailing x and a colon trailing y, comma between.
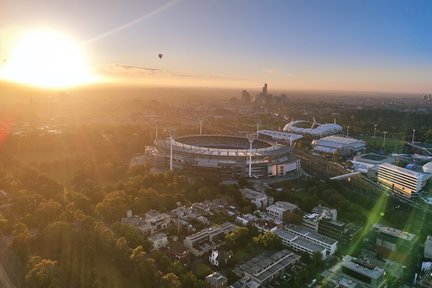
x: 391, y: 144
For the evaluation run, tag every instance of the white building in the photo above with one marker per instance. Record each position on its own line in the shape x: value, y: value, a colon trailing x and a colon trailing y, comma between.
x: 152, y: 223
x: 300, y: 244
x: 339, y: 144
x: 305, y: 233
x: 311, y: 220
x: 281, y: 209
x: 259, y: 199
x: 205, y: 240
x: 158, y: 240
x: 401, y: 181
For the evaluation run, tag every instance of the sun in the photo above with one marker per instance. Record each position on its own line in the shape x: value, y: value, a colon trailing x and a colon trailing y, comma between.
x: 46, y: 58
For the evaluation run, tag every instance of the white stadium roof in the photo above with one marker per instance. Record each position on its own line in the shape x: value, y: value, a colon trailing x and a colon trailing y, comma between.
x: 280, y: 135
x: 315, y: 130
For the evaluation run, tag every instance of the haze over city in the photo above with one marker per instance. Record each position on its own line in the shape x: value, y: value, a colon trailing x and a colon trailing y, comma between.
x: 331, y: 45
x: 215, y: 144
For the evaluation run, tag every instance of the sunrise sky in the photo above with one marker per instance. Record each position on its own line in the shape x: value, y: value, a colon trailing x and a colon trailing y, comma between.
x: 366, y: 45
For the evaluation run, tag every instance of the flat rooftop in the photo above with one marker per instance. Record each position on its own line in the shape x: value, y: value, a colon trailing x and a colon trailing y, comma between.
x: 394, y: 232
x: 264, y: 265
x: 306, y: 232
x: 299, y: 241
x: 373, y: 273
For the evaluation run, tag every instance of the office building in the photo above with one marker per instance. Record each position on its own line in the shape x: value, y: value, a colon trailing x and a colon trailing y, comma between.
x: 205, y: 240
x: 401, y: 181
x: 300, y: 244
x: 391, y: 242
x: 305, y: 233
x: 281, y: 210
x: 267, y: 267
x: 355, y: 273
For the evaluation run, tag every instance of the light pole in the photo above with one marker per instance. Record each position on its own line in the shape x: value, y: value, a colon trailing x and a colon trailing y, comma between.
x: 157, y: 128
x: 385, y: 133
x: 258, y: 123
x: 200, y: 125
x: 347, y: 130
x: 412, y: 141
x: 375, y: 126
x: 251, y: 138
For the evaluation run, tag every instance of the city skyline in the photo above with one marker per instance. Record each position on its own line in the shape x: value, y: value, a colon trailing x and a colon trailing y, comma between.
x: 336, y: 45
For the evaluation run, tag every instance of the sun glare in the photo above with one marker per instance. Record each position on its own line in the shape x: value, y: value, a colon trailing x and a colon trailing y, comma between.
x: 47, y: 59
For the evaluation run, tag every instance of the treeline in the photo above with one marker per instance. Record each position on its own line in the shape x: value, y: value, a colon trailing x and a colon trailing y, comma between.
x: 71, y: 237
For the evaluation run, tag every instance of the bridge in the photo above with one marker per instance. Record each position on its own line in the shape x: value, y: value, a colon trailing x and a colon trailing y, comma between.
x: 345, y: 176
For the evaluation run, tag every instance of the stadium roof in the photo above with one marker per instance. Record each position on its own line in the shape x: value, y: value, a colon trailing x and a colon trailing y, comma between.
x: 319, y: 130
x: 280, y: 135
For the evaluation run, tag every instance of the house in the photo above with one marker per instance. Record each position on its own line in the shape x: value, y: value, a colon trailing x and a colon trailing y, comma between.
x: 217, y: 280
x: 178, y: 251
x: 152, y: 223
x: 281, y: 210
x: 158, y: 240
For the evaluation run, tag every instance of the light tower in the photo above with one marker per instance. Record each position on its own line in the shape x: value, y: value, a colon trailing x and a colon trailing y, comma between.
x: 412, y: 140
x: 375, y: 126
x: 200, y: 125
x: 258, y: 123
x: 347, y: 130
x: 251, y: 138
x: 384, y: 137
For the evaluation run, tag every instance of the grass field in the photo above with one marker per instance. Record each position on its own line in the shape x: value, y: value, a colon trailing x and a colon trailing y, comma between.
x: 391, y: 144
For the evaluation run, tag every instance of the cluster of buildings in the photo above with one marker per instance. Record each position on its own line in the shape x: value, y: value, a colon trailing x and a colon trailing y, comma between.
x: 324, y: 221
x: 263, y: 98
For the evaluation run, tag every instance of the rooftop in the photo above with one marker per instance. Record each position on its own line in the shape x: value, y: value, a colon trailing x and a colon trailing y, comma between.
x: 265, y: 265
x: 355, y: 264
x: 341, y: 139
x: 394, y: 232
x: 401, y: 170
x: 283, y: 233
x: 306, y: 232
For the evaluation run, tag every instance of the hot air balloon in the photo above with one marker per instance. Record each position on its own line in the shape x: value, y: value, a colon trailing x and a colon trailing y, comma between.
x: 160, y: 56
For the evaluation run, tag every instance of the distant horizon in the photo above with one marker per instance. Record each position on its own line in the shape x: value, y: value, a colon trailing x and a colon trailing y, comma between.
x: 333, y: 45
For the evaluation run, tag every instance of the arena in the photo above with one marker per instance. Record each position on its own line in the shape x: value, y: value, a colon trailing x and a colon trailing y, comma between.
x: 226, y: 156
x: 312, y: 129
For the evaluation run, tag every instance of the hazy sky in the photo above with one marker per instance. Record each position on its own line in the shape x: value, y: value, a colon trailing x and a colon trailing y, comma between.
x: 321, y: 44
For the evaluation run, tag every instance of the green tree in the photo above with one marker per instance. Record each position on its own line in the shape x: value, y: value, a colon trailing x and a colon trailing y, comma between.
x: 21, y: 240
x: 268, y: 240
x: 42, y: 273
x: 170, y: 280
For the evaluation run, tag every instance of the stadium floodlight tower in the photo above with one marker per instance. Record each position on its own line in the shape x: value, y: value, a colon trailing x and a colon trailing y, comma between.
x: 251, y: 138
x: 384, y: 137
x: 412, y: 140
x: 200, y: 125
x: 347, y: 131
x: 258, y: 123
x: 375, y: 126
